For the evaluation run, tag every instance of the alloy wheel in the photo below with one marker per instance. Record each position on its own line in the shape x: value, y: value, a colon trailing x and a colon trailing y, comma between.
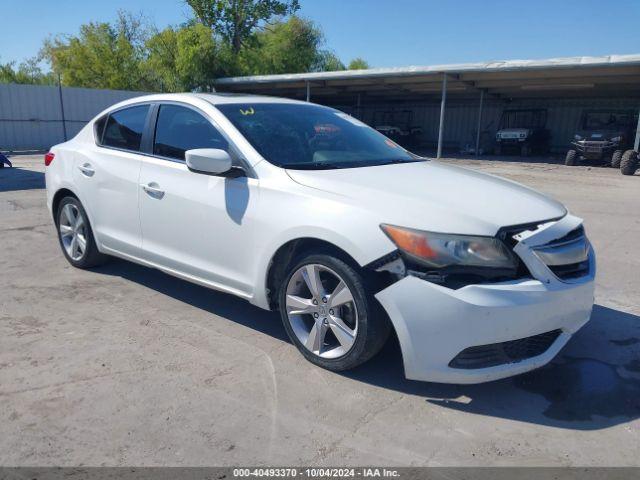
x: 73, y: 231
x: 321, y: 311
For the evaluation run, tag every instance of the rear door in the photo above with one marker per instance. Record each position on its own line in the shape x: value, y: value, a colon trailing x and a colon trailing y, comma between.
x: 192, y: 223
x: 107, y: 176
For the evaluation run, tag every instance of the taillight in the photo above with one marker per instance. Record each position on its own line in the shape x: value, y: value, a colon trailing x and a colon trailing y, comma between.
x: 48, y: 158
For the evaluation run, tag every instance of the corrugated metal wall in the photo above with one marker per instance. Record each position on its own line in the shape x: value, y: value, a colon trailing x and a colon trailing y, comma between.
x: 461, y: 118
x: 31, y: 115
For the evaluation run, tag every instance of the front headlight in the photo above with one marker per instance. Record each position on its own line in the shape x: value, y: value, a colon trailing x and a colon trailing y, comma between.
x: 439, y: 250
x: 616, y: 139
x: 577, y: 137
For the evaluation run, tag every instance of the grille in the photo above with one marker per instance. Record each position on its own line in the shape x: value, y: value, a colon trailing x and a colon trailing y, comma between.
x: 564, y: 271
x: 555, y: 255
x: 571, y: 271
x: 484, y: 356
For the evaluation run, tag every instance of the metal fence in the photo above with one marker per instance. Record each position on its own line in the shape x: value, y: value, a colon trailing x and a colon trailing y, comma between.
x: 34, y: 117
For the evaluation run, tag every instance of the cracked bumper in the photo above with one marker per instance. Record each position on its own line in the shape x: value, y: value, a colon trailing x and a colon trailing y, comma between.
x: 434, y: 323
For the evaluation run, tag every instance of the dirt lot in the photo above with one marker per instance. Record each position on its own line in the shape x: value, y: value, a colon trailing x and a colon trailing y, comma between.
x: 127, y: 366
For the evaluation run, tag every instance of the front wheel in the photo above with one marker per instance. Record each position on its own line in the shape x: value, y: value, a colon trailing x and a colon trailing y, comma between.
x: 329, y: 314
x: 616, y: 158
x: 629, y: 163
x: 525, y: 150
x: 572, y: 158
x: 76, y: 236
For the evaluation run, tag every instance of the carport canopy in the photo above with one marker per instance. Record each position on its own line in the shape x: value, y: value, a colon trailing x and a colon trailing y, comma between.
x: 613, y: 76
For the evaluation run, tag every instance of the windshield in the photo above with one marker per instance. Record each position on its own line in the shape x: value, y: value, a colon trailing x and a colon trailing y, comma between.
x: 523, y: 119
x: 300, y: 136
x: 606, y: 120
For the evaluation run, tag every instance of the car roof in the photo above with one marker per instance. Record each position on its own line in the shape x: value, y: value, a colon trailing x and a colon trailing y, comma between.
x: 212, y: 98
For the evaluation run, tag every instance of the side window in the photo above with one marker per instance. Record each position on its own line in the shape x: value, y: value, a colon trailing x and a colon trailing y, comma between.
x: 98, y: 128
x: 179, y: 129
x: 124, y: 128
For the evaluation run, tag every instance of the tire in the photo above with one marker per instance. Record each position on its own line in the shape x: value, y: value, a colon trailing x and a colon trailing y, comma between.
x: 525, y: 151
x: 572, y: 158
x: 71, y: 233
x: 616, y: 158
x: 362, y: 315
x: 629, y: 162
x: 498, y: 150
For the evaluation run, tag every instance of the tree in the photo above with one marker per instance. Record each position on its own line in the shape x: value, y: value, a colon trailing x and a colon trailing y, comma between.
x: 186, y: 58
x: 28, y: 72
x: 236, y: 20
x: 102, y: 55
x: 328, y: 62
x: 290, y: 46
x: 358, y: 64
x: 228, y: 38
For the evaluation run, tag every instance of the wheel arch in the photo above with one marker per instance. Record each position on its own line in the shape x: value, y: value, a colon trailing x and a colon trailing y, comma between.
x: 57, y: 198
x: 291, y: 250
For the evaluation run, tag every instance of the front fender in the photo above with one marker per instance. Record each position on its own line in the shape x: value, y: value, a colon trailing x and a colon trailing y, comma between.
x: 362, y: 248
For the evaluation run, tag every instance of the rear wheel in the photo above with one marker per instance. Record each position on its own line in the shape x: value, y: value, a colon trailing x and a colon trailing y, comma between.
x: 616, y: 158
x: 572, y: 158
x: 75, y: 235
x: 328, y: 313
x: 629, y: 162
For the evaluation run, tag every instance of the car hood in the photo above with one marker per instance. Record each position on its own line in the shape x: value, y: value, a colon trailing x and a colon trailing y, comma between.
x: 513, y: 131
x: 601, y: 134
x: 433, y: 196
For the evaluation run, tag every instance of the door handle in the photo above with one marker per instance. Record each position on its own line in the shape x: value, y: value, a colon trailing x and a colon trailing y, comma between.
x: 153, y: 190
x: 86, y: 169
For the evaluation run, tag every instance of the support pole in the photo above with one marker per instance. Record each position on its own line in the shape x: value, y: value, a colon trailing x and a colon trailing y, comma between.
x: 308, y: 92
x: 64, y: 122
x: 442, y: 106
x: 636, y: 144
x: 479, y: 123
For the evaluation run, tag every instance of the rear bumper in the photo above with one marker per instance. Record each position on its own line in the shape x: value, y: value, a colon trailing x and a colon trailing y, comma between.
x: 434, y: 323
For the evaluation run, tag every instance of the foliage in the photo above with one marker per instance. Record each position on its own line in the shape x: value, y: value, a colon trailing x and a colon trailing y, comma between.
x: 102, y: 55
x: 226, y: 38
x: 328, y: 62
x: 358, y: 64
x: 291, y: 46
x: 28, y: 72
x: 236, y: 20
x: 184, y: 59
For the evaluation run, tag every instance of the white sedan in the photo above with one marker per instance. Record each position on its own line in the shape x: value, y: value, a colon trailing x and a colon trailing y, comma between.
x: 304, y: 209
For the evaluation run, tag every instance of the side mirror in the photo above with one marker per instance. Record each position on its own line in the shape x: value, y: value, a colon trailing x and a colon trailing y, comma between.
x: 208, y: 160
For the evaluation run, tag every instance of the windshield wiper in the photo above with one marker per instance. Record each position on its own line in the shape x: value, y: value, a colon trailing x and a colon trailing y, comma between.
x: 312, y: 166
x: 410, y: 160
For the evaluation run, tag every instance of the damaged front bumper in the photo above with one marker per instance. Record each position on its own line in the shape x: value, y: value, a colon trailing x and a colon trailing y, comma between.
x: 484, y: 332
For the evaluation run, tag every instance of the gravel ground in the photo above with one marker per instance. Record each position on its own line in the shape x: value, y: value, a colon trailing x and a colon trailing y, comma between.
x: 125, y: 365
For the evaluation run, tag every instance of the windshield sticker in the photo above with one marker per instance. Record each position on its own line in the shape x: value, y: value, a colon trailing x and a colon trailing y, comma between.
x: 350, y: 119
x: 249, y: 111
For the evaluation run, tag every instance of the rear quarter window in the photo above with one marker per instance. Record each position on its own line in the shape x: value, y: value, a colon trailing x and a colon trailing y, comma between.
x: 124, y: 128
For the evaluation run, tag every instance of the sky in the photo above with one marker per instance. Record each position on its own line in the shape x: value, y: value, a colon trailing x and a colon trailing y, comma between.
x: 387, y: 33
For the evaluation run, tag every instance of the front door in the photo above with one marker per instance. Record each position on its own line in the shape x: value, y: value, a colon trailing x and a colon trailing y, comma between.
x: 195, y: 224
